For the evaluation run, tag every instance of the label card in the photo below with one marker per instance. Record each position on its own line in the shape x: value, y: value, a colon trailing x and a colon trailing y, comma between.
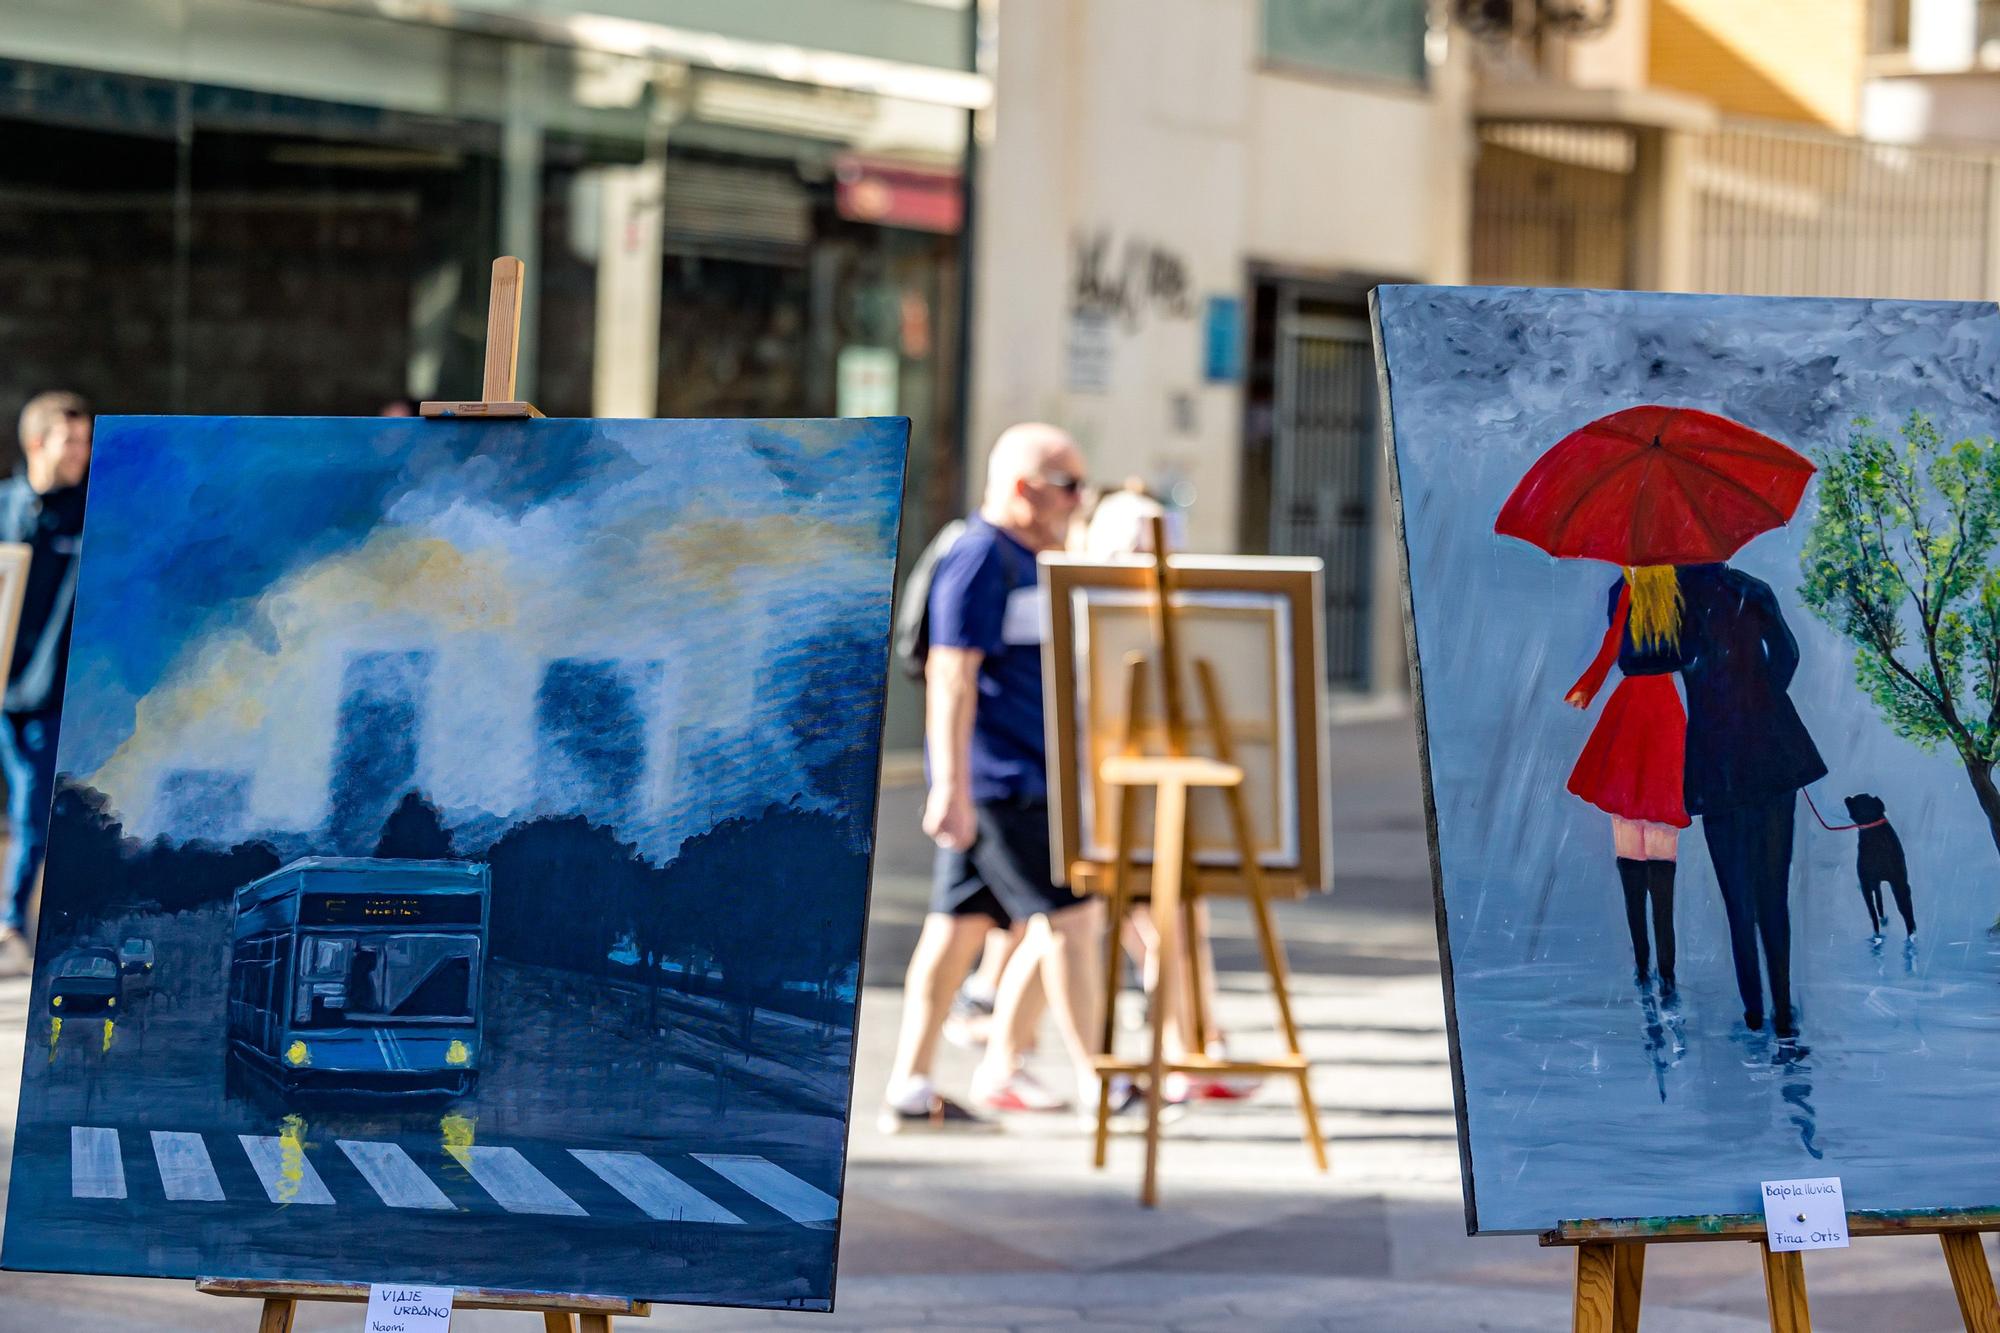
x: 1805, y: 1214
x: 394, y: 1308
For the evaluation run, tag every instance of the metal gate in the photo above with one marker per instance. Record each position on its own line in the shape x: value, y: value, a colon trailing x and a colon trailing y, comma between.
x: 1322, y: 471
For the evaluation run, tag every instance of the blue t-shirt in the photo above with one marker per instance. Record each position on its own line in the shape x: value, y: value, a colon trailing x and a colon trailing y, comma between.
x: 985, y: 596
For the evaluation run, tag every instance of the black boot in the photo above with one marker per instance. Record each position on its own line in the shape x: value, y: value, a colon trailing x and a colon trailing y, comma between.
x: 1632, y: 876
x: 1660, y: 885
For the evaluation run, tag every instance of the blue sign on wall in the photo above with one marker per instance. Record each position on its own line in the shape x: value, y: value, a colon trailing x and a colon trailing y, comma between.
x: 1222, y: 339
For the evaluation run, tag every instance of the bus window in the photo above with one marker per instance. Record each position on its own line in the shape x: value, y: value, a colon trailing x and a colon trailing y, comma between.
x: 428, y: 976
x: 324, y: 991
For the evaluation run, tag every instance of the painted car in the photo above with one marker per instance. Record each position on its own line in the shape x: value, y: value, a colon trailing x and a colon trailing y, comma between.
x: 136, y: 957
x: 85, y: 981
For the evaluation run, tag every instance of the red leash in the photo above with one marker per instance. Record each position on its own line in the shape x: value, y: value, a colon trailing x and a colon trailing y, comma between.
x: 1839, y: 828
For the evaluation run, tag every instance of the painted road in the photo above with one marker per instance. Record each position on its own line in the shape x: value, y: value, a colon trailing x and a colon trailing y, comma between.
x: 286, y: 1172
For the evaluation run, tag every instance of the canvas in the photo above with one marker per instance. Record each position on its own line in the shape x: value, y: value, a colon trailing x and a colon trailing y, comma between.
x: 460, y: 855
x: 1714, y: 838
x: 1257, y: 622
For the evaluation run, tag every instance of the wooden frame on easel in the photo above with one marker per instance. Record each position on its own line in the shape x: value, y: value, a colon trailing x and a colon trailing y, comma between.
x: 1084, y: 720
x: 1176, y: 878
x: 560, y: 1311
x: 1611, y: 1263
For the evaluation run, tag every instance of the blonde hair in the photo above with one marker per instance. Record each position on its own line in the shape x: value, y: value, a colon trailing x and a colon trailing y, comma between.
x: 1655, y: 618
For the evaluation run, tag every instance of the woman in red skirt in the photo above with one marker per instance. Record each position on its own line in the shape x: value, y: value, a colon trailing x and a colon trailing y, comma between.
x: 1631, y: 766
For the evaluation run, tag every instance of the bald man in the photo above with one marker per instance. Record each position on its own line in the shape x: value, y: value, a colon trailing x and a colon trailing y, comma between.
x: 988, y: 804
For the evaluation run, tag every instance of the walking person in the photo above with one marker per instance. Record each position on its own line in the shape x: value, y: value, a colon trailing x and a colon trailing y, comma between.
x: 987, y: 807
x: 41, y: 506
x: 1748, y: 756
x: 1632, y: 765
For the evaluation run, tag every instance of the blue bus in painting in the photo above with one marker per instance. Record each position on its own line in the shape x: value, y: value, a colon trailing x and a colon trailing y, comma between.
x: 356, y: 974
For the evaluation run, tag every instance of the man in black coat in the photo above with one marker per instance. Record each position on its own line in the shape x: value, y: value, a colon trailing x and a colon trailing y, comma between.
x: 1748, y: 754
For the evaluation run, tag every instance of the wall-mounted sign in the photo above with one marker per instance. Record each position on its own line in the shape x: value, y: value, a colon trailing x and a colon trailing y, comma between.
x: 1222, y: 340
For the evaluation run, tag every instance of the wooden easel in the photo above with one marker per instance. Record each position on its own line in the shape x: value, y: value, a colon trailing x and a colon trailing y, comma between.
x: 561, y: 1312
x: 1611, y: 1263
x: 503, y: 351
x: 1177, y: 885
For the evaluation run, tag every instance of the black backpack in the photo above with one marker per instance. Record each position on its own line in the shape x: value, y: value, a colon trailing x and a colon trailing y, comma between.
x: 913, y: 616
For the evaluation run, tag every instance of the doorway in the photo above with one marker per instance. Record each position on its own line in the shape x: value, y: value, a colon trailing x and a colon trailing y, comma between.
x: 1310, y: 438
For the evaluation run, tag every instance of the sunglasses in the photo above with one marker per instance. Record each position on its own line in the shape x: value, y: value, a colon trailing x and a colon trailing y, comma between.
x: 1063, y: 482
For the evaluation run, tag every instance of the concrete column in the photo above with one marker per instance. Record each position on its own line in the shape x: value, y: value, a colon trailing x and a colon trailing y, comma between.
x: 625, y: 365
x: 521, y: 192
x: 1662, y: 211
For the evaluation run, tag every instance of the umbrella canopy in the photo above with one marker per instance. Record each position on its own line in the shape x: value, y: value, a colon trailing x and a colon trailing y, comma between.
x: 1656, y: 485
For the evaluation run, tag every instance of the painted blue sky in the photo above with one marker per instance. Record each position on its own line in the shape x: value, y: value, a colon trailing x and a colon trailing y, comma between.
x: 1577, y: 1106
x: 237, y: 570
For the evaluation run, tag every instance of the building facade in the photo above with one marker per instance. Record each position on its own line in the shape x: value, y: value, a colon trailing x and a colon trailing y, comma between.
x: 1181, y: 207
x: 727, y: 207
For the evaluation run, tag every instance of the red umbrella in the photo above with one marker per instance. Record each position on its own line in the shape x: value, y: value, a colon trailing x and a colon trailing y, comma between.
x: 1656, y: 485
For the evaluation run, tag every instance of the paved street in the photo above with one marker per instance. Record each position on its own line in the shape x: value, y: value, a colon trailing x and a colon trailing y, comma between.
x: 1016, y: 1231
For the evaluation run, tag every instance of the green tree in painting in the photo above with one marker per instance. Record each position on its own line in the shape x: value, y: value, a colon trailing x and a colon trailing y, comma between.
x: 1898, y: 561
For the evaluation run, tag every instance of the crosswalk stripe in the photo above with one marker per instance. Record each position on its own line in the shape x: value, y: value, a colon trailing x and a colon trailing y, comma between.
x: 282, y: 1166
x: 186, y: 1173
x: 515, y: 1185
x: 95, y: 1169
x: 393, y: 1176
x: 774, y: 1185
x: 659, y: 1193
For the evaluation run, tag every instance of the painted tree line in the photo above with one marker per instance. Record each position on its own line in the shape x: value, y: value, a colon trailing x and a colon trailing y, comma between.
x: 743, y: 908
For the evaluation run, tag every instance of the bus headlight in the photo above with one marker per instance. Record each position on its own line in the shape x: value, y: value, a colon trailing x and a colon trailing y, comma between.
x: 111, y: 1002
x: 456, y: 1053
x: 297, y: 1054
x: 55, y: 1001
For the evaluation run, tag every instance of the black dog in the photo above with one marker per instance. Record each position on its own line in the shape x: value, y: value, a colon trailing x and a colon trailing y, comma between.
x: 1880, y: 861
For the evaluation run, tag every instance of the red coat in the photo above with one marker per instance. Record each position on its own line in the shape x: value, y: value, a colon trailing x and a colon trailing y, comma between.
x: 1632, y: 765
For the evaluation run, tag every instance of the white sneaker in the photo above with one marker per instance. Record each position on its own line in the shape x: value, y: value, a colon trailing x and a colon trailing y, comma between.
x: 1019, y: 1091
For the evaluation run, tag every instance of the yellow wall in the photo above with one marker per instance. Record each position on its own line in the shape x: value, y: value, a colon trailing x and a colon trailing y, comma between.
x: 1786, y: 59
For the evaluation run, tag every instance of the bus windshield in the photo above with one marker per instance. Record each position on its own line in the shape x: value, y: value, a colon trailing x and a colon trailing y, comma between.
x: 386, y: 978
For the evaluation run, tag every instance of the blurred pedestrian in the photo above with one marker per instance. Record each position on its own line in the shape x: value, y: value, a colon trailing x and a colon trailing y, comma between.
x: 987, y: 809
x: 42, y: 506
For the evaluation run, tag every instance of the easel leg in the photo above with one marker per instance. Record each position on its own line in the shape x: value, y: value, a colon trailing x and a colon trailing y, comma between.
x: 277, y: 1316
x: 558, y: 1321
x: 1596, y: 1290
x: 1169, y: 841
x: 1196, y: 1031
x: 594, y: 1323
x: 1260, y: 910
x: 1785, y: 1290
x: 1274, y: 962
x: 1609, y: 1280
x: 1628, y: 1282
x: 1125, y: 819
x: 1120, y: 904
x: 1972, y: 1280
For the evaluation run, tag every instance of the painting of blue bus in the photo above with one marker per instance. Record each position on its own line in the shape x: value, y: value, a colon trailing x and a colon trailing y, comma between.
x: 360, y: 974
x: 459, y: 855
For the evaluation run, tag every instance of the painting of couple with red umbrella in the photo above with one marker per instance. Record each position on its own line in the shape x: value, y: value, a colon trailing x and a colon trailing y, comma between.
x: 1704, y: 612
